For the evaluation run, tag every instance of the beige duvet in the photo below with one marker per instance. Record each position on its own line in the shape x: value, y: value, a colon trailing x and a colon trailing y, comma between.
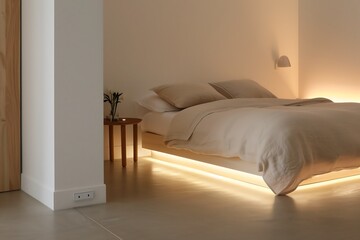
x: 290, y: 140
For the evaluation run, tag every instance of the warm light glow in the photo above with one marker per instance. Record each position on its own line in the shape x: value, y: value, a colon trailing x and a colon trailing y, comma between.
x: 211, y: 169
x: 336, y: 99
x: 205, y: 181
x: 211, y: 181
x: 333, y: 93
x: 204, y: 173
x: 329, y: 182
x: 239, y: 178
x: 341, y: 99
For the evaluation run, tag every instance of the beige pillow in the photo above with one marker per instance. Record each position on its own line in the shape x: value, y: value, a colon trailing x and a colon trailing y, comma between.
x: 242, y: 89
x: 183, y: 95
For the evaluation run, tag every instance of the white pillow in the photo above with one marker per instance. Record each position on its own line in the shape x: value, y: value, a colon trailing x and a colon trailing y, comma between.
x: 242, y: 89
x: 153, y: 102
x: 183, y: 95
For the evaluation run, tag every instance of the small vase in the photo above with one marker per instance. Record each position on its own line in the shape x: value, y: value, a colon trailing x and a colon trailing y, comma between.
x: 113, y: 118
x: 113, y: 113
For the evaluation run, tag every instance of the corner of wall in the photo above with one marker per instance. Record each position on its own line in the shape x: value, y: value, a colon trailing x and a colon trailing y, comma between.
x: 37, y: 190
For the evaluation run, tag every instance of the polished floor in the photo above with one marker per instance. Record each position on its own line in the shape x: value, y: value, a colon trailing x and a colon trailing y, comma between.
x: 153, y: 201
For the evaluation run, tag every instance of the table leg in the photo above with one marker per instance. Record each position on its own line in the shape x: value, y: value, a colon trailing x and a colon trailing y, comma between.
x: 111, y: 143
x: 135, y: 141
x: 123, y: 145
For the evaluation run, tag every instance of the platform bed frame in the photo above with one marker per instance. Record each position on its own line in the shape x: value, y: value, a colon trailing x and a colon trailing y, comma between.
x: 228, y: 167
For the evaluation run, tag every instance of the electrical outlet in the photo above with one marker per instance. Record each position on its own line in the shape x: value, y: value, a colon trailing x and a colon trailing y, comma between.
x: 84, y: 196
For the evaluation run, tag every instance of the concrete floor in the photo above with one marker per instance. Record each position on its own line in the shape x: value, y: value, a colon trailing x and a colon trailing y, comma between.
x: 151, y: 201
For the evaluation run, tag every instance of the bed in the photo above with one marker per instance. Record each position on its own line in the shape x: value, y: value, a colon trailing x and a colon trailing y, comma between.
x: 286, y: 141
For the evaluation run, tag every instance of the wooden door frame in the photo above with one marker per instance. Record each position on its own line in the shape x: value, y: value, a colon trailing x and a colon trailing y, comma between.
x: 10, y: 160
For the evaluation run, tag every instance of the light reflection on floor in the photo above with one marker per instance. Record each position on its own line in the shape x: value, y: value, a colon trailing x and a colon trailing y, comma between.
x: 252, y: 181
x: 154, y: 201
x: 192, y: 205
x: 212, y: 181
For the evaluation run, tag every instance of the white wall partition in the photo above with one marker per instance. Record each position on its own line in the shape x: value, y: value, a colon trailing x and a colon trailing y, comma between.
x: 38, y: 123
x: 62, y: 101
x: 78, y: 99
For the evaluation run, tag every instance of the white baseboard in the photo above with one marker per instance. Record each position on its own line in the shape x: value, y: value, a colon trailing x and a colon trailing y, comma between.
x: 40, y: 192
x: 61, y: 199
x: 64, y: 199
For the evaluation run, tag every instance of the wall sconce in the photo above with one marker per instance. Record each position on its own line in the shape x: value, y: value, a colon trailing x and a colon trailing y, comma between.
x: 282, y: 62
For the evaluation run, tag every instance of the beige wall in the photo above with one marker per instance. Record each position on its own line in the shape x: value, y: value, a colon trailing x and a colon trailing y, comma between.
x: 329, y: 49
x: 148, y: 43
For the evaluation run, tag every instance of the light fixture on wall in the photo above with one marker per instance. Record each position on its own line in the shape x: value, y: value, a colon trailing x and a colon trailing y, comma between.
x: 282, y: 62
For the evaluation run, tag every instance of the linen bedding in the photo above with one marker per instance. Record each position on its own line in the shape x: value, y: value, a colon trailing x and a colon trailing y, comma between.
x: 290, y: 140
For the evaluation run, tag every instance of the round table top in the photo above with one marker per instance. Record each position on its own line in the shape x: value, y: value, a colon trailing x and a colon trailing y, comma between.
x: 122, y: 121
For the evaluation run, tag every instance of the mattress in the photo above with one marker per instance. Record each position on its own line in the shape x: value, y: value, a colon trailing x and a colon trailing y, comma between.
x: 157, y: 123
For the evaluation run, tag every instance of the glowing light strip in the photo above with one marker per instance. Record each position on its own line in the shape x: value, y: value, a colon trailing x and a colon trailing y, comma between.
x: 211, y: 175
x: 212, y: 171
x: 328, y: 182
x: 210, y: 168
x: 202, y: 179
x: 230, y: 175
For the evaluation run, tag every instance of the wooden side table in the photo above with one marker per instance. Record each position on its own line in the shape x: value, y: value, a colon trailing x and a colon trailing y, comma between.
x: 123, y: 122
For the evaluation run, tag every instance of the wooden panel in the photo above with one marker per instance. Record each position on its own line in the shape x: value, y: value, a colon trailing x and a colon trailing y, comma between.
x: 9, y: 95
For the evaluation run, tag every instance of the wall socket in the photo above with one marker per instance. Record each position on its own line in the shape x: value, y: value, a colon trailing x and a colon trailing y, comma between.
x: 84, y: 196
